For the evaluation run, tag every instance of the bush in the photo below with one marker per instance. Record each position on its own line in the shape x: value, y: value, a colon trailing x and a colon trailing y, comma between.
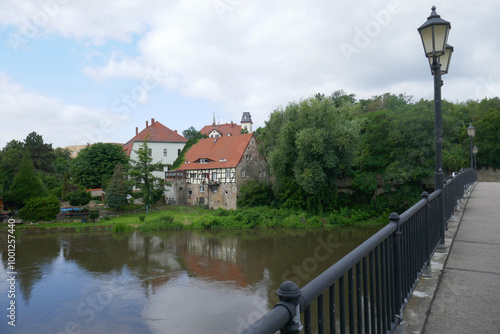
x: 40, y: 208
x: 142, y: 217
x: 93, y: 214
x: 79, y: 197
x: 162, y: 223
x: 122, y: 227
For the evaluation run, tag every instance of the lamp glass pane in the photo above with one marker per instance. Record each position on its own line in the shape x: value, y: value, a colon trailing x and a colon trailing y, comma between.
x: 426, y: 35
x: 445, y: 60
x: 440, y: 37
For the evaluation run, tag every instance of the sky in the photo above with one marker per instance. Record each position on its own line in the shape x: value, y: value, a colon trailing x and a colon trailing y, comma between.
x: 79, y: 72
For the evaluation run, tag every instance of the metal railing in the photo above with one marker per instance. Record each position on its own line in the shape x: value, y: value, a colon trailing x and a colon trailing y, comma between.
x: 367, y: 290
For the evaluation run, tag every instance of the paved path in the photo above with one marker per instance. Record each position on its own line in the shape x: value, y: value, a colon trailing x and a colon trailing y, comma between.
x: 467, y: 299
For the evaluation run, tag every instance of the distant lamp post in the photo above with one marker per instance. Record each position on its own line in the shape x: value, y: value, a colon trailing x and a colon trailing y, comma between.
x: 471, y: 131
x: 434, y: 34
x: 474, y: 151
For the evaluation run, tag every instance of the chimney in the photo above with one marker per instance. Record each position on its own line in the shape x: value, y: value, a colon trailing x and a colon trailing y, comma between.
x: 136, y: 130
x: 175, y: 131
x: 231, y: 124
x: 152, y: 121
x: 147, y: 124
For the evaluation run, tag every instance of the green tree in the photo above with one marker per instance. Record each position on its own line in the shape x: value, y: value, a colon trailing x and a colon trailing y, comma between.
x: 116, y: 193
x: 26, y: 184
x: 192, y: 133
x: 10, y: 158
x: 141, y: 173
x: 41, y: 153
x: 313, y: 144
x: 255, y: 193
x: 94, y: 165
x: 40, y: 209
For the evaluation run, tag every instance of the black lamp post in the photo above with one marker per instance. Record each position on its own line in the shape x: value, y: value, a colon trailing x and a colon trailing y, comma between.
x: 474, y: 150
x: 471, y: 131
x: 434, y: 35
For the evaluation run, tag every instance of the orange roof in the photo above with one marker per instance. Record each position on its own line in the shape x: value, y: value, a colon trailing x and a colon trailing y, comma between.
x: 232, y: 129
x: 156, y: 132
x: 222, y: 152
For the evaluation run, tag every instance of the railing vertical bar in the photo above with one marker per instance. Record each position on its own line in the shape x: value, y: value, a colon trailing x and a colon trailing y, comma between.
x: 342, y: 304
x: 366, y: 310
x: 350, y: 288
x: 372, y: 294
x: 359, y: 306
x: 307, y: 320
x: 384, y: 285
x: 321, y: 316
x: 331, y: 296
x: 377, y: 291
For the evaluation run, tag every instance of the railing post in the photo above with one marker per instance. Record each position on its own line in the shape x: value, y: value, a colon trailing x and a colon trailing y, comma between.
x: 398, y: 274
x: 428, y: 269
x: 289, y: 295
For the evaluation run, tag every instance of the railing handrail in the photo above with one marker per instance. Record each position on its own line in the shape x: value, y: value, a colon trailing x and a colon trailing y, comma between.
x: 283, y: 313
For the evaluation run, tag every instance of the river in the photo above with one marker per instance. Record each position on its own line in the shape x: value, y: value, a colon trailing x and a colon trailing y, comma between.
x: 173, y: 282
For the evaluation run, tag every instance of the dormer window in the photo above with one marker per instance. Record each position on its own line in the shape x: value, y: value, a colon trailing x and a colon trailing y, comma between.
x: 203, y: 161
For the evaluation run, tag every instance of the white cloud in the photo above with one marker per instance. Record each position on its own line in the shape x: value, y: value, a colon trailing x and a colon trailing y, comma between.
x: 257, y: 55
x: 59, y: 124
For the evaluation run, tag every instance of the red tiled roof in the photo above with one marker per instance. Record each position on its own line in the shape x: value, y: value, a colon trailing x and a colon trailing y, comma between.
x: 222, y: 152
x: 224, y: 129
x: 156, y: 132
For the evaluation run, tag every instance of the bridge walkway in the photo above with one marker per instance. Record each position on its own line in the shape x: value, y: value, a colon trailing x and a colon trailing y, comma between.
x: 467, y: 297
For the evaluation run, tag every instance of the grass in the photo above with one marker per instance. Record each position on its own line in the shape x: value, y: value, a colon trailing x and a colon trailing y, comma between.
x: 182, y: 217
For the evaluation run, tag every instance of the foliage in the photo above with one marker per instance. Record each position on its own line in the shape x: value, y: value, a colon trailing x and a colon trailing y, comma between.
x: 116, y: 193
x: 182, y: 156
x: 40, y: 209
x: 26, y: 184
x: 79, y: 197
x: 10, y: 158
x: 312, y: 143
x: 141, y: 173
x: 162, y: 223
x: 93, y: 215
x: 142, y: 217
x: 192, y: 133
x: 255, y: 193
x: 42, y: 154
x: 122, y: 228
x: 95, y: 164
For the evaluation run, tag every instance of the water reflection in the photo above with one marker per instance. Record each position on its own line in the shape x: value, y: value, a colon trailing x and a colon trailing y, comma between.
x: 175, y: 282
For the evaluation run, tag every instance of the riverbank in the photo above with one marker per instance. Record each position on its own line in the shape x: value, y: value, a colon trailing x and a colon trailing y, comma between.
x: 179, y: 217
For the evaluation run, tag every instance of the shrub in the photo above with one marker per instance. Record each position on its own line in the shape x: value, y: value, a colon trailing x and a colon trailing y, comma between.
x: 162, y: 223
x: 79, y: 197
x: 142, y: 217
x: 40, y: 208
x: 93, y: 214
x: 122, y: 227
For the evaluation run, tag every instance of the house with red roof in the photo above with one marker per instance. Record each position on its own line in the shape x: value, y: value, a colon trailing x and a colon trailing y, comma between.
x: 228, y: 129
x: 214, y: 170
x: 164, y: 144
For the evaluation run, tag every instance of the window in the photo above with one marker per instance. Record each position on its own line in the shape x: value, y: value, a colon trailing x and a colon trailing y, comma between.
x: 215, y: 189
x: 164, y: 152
x: 226, y: 193
x: 249, y: 157
x: 203, y: 161
x: 264, y: 173
x: 214, y: 176
x: 228, y: 174
x: 179, y: 151
x: 190, y: 192
x: 150, y: 152
x: 243, y: 173
x: 202, y: 189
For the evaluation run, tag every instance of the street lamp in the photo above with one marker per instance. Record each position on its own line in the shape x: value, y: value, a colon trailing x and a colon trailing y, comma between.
x: 471, y: 131
x: 474, y: 150
x: 434, y: 34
